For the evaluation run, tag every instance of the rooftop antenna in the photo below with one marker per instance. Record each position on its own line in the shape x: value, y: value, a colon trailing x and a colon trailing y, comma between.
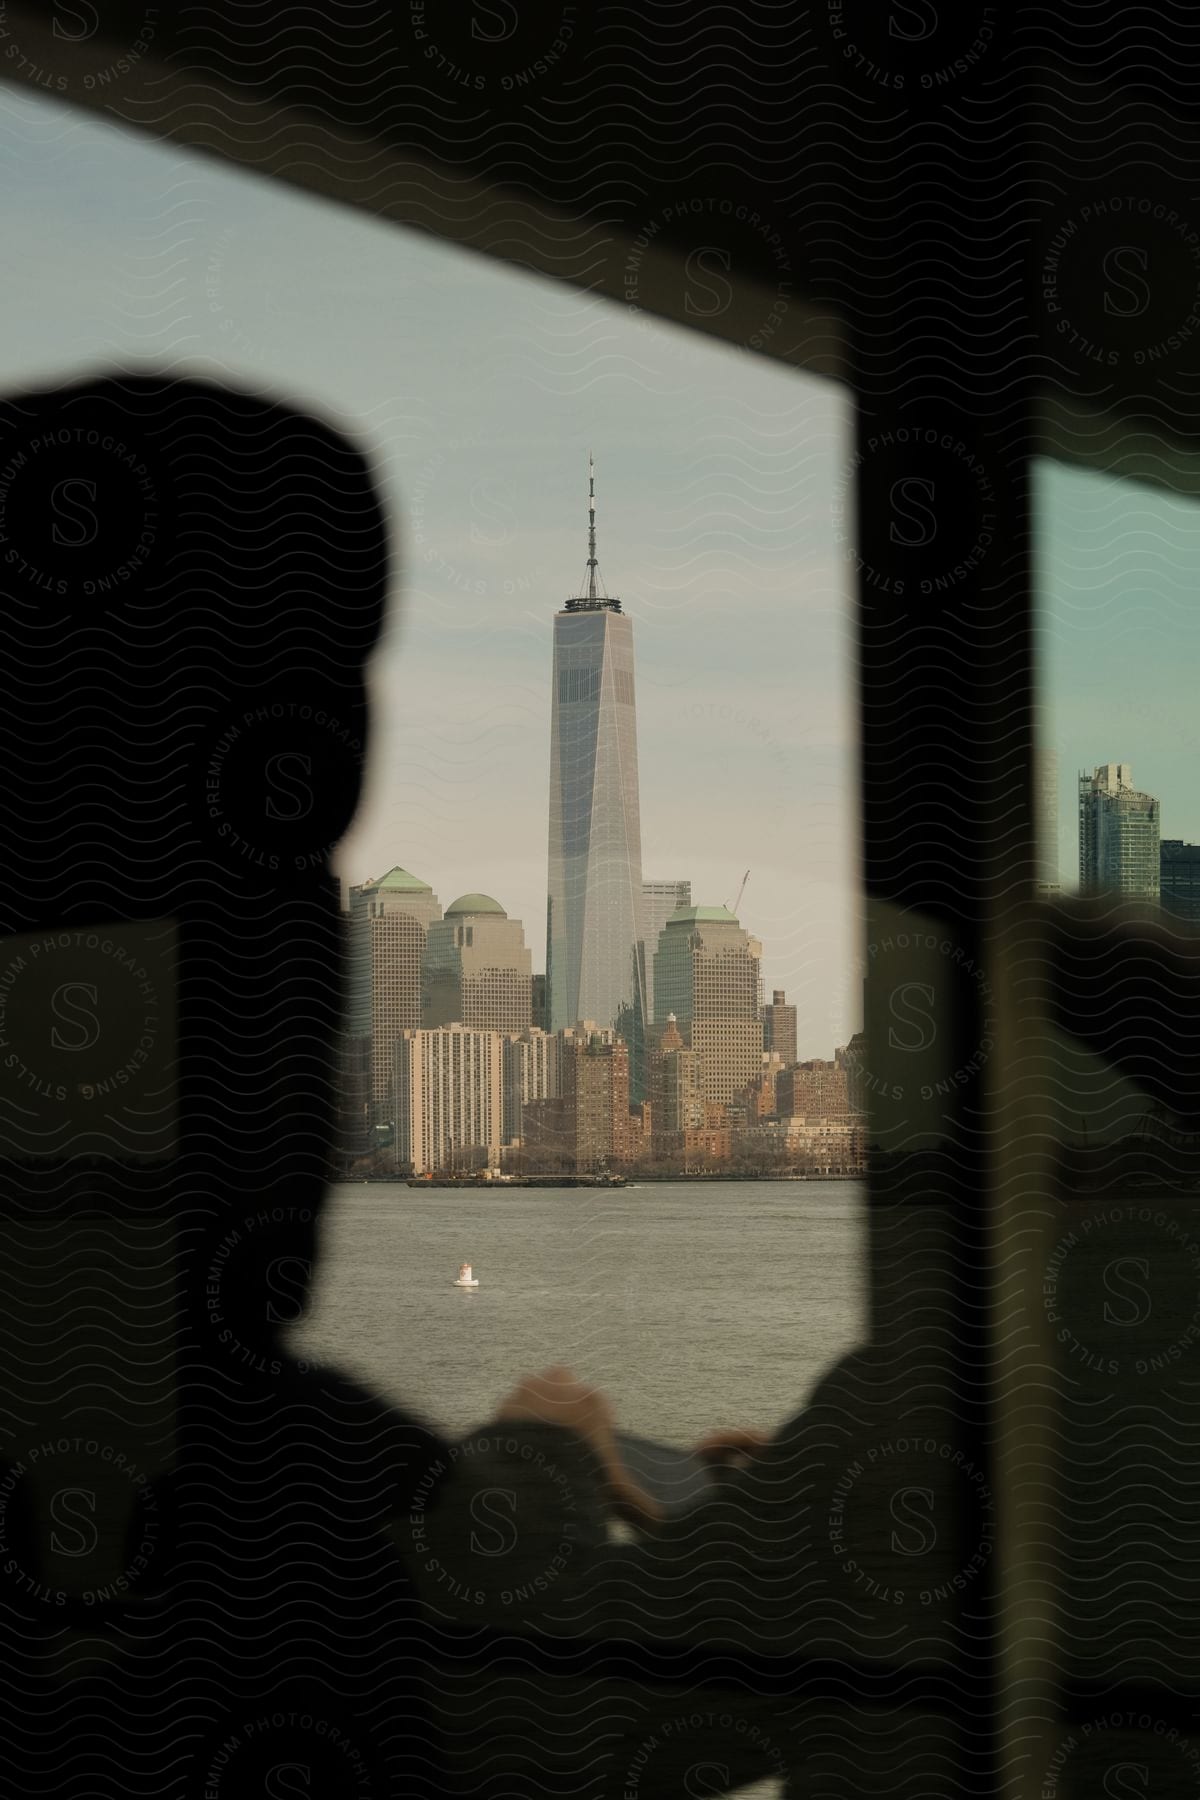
x: 591, y: 527
x: 594, y: 597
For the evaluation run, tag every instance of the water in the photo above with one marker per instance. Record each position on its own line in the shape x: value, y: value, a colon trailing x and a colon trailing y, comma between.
x: 692, y: 1305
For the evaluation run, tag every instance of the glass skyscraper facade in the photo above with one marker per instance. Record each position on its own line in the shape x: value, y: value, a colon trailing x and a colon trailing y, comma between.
x: 593, y: 917
x: 594, y: 897
x: 659, y: 900
x: 1180, y: 867
x: 708, y: 974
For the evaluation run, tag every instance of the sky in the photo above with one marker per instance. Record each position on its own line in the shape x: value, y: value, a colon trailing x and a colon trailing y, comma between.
x: 1117, y: 567
x: 479, y: 390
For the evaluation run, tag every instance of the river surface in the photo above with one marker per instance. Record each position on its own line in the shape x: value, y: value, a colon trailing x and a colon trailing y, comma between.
x: 691, y: 1304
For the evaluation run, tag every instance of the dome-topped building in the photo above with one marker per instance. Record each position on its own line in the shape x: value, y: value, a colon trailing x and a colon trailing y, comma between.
x: 477, y: 970
x: 387, y: 922
x: 476, y: 905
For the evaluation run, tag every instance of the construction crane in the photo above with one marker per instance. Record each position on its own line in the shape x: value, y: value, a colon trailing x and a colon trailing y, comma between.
x: 740, y: 892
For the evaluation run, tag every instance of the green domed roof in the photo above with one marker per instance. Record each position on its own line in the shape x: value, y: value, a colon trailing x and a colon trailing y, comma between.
x: 476, y: 903
x: 399, y: 881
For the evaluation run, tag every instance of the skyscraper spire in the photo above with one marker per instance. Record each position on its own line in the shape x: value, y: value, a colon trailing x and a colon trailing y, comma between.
x: 591, y: 527
x: 593, y: 596
x: 594, y: 960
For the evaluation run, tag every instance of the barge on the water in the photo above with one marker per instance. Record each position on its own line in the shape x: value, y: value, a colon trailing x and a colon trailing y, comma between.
x: 507, y: 1181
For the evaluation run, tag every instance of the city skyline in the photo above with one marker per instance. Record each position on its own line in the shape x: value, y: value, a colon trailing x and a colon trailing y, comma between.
x: 477, y: 390
x: 1118, y: 640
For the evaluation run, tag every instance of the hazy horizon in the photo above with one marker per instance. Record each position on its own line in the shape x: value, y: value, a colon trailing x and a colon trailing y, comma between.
x: 479, y: 390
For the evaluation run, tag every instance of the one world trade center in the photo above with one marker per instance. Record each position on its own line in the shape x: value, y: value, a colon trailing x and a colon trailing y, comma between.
x: 593, y: 912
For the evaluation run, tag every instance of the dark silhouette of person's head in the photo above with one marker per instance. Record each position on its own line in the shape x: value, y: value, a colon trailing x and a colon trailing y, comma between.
x: 194, y: 579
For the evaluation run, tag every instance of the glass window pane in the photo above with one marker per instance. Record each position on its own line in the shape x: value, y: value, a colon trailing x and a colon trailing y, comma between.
x: 686, y: 701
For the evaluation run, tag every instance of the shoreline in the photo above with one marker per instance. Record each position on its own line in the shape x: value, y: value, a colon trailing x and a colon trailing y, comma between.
x: 578, y: 1181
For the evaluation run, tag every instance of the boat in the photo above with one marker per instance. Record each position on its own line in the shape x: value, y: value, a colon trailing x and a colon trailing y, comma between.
x: 465, y: 1277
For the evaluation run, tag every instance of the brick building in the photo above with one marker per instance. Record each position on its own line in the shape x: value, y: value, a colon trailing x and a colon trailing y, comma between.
x: 813, y: 1090
x: 587, y: 1125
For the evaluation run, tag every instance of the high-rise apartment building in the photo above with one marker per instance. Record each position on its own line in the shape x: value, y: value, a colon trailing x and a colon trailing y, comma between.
x: 1047, y: 881
x: 530, y: 1074
x: 779, y: 1027
x: 707, y: 971
x: 759, y: 1100
x: 354, y: 1137
x: 449, y: 1099
x: 586, y: 1126
x: 594, y: 900
x: 594, y: 1078
x: 476, y: 969
x: 676, y: 1100
x: 1119, y: 851
x: 660, y: 898
x: 1180, y: 879
x: 387, y: 926
x: 851, y: 1059
x: 813, y: 1090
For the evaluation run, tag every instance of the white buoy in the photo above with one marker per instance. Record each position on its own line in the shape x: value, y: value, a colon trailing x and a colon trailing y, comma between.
x: 465, y: 1277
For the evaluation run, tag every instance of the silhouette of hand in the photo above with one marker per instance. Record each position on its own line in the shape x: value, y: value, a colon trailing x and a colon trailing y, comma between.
x: 732, y: 1446
x: 557, y: 1397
